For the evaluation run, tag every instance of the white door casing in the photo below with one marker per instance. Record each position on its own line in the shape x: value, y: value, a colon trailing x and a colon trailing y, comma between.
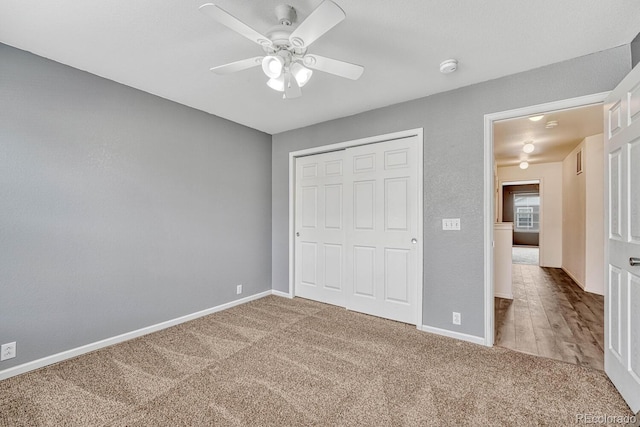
x: 325, y: 258
x: 622, y: 218
x: 489, y: 214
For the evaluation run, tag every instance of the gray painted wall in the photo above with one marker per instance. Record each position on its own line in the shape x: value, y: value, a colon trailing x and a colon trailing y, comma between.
x: 453, y: 125
x: 119, y: 209
x: 635, y: 51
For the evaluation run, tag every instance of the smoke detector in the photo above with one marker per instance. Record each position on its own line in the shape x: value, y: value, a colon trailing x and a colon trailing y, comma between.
x: 448, y: 66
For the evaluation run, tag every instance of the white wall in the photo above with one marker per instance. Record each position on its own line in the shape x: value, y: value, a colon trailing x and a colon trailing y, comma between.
x: 583, y: 215
x: 594, y: 164
x: 550, y: 176
x: 573, y: 217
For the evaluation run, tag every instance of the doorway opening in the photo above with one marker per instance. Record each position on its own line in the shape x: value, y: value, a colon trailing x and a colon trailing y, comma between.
x: 521, y: 202
x: 560, y: 312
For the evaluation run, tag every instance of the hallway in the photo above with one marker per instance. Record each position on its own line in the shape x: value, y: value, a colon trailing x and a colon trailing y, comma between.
x: 525, y: 255
x: 551, y: 316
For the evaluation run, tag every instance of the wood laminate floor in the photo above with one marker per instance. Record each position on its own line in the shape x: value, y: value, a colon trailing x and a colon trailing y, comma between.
x: 551, y: 316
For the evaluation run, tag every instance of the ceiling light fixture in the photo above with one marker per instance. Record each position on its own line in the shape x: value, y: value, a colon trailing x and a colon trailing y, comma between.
x: 528, y: 147
x: 524, y: 165
x: 277, y: 84
x: 298, y: 71
x: 536, y: 118
x: 301, y: 73
x: 272, y: 65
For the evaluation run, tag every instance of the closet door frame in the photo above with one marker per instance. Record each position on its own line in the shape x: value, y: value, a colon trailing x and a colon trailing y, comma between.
x: 354, y: 143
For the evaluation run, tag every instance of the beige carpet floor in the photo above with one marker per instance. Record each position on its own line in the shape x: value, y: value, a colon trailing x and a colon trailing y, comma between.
x: 280, y: 362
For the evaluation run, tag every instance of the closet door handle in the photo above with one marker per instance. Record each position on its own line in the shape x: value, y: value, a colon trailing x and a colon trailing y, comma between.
x: 634, y: 261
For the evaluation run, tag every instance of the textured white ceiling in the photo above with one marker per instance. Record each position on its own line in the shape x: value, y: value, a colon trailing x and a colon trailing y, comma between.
x: 166, y: 47
x: 551, y: 145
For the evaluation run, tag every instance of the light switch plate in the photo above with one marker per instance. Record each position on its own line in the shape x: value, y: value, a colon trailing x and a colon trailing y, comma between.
x: 451, y: 223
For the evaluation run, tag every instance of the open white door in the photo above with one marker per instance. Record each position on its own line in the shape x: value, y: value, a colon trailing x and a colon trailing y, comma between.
x: 622, y: 215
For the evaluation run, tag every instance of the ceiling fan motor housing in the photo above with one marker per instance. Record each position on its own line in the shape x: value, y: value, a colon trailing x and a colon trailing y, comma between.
x: 280, y: 40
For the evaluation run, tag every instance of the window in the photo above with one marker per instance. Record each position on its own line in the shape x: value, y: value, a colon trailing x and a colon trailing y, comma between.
x: 526, y: 212
x: 524, y: 218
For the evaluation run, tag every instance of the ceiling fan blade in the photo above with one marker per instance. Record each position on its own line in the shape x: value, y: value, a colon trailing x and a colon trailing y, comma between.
x: 322, y: 19
x: 334, y: 66
x: 225, y: 18
x: 291, y: 88
x: 237, y: 66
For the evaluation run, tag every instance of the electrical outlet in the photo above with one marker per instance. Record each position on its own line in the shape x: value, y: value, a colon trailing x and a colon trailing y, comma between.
x: 239, y: 289
x: 457, y: 320
x: 8, y: 351
x: 451, y: 223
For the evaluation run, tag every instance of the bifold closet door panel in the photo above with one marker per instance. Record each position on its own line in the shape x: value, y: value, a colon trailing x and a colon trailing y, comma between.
x: 381, y: 221
x: 319, y: 225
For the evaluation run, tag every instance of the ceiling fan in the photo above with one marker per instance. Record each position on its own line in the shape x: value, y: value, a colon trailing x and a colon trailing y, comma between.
x: 285, y: 60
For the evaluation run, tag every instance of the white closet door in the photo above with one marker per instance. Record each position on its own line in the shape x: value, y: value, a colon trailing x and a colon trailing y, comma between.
x: 381, y: 207
x: 320, y: 236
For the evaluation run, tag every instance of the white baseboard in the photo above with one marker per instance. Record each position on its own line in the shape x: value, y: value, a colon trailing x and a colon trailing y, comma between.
x: 452, y: 334
x: 584, y: 287
x: 595, y: 291
x: 501, y: 295
x: 281, y: 294
x: 573, y: 277
x: 68, y: 354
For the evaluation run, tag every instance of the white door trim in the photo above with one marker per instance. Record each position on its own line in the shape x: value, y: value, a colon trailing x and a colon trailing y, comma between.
x: 341, y: 146
x: 564, y: 104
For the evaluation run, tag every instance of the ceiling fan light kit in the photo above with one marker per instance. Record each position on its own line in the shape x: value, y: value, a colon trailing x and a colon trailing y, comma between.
x: 272, y: 65
x: 286, y: 62
x: 301, y: 73
x: 276, y: 84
